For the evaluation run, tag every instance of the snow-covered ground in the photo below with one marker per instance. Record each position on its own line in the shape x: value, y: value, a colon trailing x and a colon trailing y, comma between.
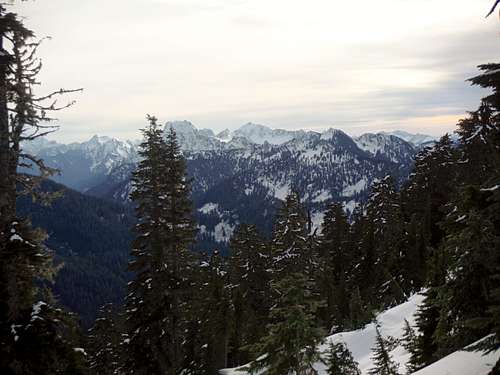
x: 362, y: 341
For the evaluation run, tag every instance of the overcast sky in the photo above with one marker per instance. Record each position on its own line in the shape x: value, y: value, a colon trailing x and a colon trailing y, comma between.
x: 365, y: 65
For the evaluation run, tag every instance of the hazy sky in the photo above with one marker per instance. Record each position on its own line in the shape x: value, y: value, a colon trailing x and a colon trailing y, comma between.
x: 365, y: 65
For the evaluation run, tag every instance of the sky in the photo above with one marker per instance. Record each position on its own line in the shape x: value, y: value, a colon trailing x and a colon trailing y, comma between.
x: 360, y: 66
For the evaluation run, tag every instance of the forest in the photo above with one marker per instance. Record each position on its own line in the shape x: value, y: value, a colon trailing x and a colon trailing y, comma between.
x: 270, y: 302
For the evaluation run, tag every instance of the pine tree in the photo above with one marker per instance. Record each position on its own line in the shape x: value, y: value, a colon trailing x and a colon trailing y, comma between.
x: 384, y: 364
x: 339, y: 360
x: 161, y: 264
x: 292, y: 335
x: 251, y: 297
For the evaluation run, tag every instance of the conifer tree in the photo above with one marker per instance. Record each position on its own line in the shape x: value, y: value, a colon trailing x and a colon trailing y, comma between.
x: 339, y: 360
x: 384, y: 243
x: 36, y: 337
x: 105, y: 342
x: 383, y: 362
x: 161, y: 258
x: 334, y: 266
x: 290, y: 345
x: 211, y: 313
x: 409, y: 341
x: 471, y: 247
x: 249, y: 277
x: 291, y: 246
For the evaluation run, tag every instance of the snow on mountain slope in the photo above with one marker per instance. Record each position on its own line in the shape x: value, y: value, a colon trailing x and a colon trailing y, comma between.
x: 382, y: 145
x: 192, y: 139
x: 259, y: 134
x: 415, y: 139
x: 361, y: 342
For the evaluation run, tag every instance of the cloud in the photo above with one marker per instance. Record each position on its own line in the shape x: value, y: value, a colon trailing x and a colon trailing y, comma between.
x: 356, y: 65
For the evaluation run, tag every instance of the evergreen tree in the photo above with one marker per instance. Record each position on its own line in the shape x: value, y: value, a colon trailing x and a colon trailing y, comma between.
x: 291, y: 246
x: 383, y: 243
x: 362, y: 278
x: 161, y: 259
x: 290, y: 345
x: 334, y: 265
x: 384, y: 364
x: 211, y: 316
x: 424, y: 196
x: 249, y: 276
x: 105, y: 342
x: 480, y: 132
x: 339, y: 360
x: 35, y: 336
x: 409, y: 341
x: 471, y: 247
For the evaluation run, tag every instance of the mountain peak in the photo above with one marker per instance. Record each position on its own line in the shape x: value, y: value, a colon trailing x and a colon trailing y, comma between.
x: 331, y: 133
x: 183, y: 126
x: 99, y: 139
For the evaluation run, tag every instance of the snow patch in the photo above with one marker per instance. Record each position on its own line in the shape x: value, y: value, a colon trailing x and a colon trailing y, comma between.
x: 356, y: 188
x: 323, y: 196
x: 208, y: 208
x: 223, y: 231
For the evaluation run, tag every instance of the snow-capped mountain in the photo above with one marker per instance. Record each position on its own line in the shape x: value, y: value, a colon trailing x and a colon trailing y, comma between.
x: 384, y: 145
x: 243, y: 172
x: 260, y: 134
x: 87, y: 164
x: 414, y: 139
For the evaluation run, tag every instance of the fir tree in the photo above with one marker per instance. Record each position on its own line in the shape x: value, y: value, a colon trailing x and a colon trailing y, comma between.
x: 209, y: 317
x: 409, y: 341
x: 383, y: 362
x: 105, y: 342
x: 383, y: 242
x: 291, y: 247
x: 339, y: 360
x: 334, y: 265
x: 290, y: 345
x: 249, y: 264
x: 161, y: 263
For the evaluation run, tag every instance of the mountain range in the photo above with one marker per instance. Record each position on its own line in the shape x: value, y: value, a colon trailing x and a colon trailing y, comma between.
x: 238, y: 176
x: 241, y: 175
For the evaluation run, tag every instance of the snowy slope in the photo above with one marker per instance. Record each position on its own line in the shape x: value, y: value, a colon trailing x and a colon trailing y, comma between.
x: 361, y: 342
x: 462, y: 363
x: 415, y: 139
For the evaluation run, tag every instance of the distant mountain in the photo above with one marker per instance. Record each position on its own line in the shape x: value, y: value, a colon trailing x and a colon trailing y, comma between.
x: 84, y: 165
x: 243, y: 174
x: 232, y: 184
x: 414, y: 139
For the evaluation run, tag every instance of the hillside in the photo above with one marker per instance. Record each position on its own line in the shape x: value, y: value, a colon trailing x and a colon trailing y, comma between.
x: 91, y: 240
x: 361, y: 342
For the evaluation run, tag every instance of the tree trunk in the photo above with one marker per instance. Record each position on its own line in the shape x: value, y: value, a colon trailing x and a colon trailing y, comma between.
x: 7, y: 181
